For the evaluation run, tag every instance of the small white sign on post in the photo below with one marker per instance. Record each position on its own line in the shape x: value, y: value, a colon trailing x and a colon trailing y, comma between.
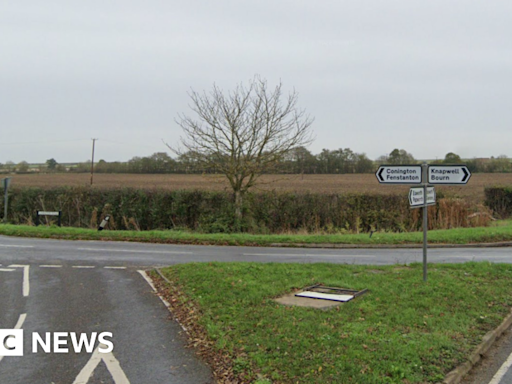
x: 417, y: 200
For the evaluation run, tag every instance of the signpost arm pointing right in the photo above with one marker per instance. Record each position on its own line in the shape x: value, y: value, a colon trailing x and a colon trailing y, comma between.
x: 466, y: 175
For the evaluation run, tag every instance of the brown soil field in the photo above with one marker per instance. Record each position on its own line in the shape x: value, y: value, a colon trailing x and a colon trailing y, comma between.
x: 363, y: 183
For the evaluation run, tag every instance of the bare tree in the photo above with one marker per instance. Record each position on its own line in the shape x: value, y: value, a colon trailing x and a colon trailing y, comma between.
x: 243, y: 133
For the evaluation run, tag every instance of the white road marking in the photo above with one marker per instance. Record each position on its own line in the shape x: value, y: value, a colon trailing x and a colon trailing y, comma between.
x: 50, y: 266
x: 7, y: 269
x: 16, y: 246
x: 21, y: 320
x: 109, y: 360
x: 114, y: 267
x: 26, y: 282
x: 18, y: 325
x: 131, y: 251
x: 83, y: 266
x: 166, y: 303
x: 502, y: 371
x: 148, y: 279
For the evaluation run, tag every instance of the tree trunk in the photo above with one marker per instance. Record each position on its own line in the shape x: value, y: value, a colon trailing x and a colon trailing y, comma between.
x: 238, y: 210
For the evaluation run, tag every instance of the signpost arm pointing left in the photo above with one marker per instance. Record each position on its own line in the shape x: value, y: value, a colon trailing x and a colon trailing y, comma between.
x: 380, y: 174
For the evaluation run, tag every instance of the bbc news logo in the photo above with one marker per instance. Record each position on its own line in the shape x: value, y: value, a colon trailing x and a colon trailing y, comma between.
x: 11, y: 342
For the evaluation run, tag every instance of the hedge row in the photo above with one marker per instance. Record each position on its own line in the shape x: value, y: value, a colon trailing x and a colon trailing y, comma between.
x: 499, y: 200
x: 265, y: 212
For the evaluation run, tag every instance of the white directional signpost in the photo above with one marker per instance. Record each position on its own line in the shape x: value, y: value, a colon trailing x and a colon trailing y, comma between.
x: 424, y: 175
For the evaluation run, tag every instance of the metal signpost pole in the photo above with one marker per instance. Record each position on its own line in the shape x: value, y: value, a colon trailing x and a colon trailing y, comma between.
x: 424, y: 167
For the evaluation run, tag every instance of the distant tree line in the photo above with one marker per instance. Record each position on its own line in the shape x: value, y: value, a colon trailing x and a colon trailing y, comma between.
x: 500, y: 164
x: 300, y: 160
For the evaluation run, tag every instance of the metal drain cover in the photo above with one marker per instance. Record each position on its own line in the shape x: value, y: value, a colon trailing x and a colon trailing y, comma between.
x: 330, y: 293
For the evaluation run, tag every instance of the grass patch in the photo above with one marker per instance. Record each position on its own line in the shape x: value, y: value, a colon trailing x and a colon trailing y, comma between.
x: 498, y: 232
x: 402, y: 331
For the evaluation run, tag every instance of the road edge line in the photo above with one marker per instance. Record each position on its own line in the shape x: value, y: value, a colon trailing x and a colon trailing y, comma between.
x: 149, y: 280
x: 455, y: 376
x: 496, y: 379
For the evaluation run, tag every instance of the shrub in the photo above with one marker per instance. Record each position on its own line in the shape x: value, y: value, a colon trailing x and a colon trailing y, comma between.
x: 499, y: 200
x: 207, y: 211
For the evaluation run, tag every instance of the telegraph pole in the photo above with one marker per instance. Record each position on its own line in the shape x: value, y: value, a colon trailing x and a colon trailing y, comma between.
x: 92, y: 159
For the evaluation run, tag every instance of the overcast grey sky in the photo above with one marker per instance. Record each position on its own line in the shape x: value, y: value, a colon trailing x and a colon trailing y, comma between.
x: 427, y: 76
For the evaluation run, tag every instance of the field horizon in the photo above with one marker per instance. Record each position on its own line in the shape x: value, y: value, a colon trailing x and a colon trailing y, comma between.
x: 308, y: 183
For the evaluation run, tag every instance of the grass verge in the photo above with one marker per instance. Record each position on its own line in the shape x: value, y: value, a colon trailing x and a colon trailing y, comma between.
x: 500, y: 231
x: 401, y: 331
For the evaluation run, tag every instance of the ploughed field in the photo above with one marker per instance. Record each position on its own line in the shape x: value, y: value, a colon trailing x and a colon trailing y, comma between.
x: 361, y: 183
